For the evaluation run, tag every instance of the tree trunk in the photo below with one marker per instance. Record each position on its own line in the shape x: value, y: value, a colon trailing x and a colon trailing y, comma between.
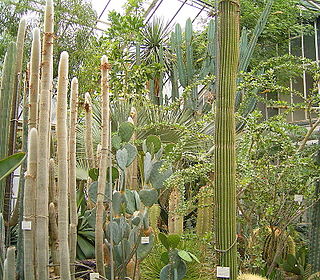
x: 225, y: 155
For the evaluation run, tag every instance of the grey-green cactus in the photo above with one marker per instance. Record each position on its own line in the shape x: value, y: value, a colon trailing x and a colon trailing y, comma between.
x: 175, y: 219
x: 30, y: 206
x: 10, y: 264
x: 62, y: 153
x: 42, y: 252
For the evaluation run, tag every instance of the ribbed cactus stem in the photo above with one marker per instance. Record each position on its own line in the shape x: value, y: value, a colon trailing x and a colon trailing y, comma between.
x: 62, y: 154
x: 205, y: 211
x: 30, y: 205
x: 175, y: 219
x: 43, y: 153
x: 225, y: 154
x: 103, y: 165
x: 34, y: 78
x: 10, y: 264
x: 88, y: 130
x: 72, y: 173
x: 154, y: 215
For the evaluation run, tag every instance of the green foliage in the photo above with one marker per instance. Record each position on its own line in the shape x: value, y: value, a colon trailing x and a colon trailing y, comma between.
x: 9, y: 164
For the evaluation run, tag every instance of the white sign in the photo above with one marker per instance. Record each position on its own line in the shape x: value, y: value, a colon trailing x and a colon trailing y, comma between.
x: 94, y: 276
x: 298, y: 197
x: 223, y: 272
x: 145, y: 240
x: 26, y: 225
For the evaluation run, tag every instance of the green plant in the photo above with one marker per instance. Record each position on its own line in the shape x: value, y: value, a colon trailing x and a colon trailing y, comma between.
x: 9, y: 272
x: 174, y: 258
x: 225, y: 154
x: 10, y: 163
x: 296, y: 264
x: 205, y: 210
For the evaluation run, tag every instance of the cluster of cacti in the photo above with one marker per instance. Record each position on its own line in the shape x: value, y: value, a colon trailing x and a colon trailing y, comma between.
x: 277, y: 240
x: 205, y: 210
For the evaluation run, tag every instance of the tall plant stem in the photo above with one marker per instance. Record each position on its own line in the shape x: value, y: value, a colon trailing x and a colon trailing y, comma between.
x: 72, y: 174
x: 103, y: 165
x: 29, y: 205
x: 225, y: 155
x: 62, y: 153
x: 88, y: 130
x: 42, y: 220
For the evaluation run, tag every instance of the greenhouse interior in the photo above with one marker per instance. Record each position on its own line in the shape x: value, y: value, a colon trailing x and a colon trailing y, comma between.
x: 160, y: 139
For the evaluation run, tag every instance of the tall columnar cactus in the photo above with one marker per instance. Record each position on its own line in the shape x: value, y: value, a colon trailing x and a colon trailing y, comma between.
x: 88, y: 130
x: 205, y: 211
x: 30, y: 206
x: 132, y: 171
x: 105, y: 146
x: 17, y: 85
x: 154, y: 215
x: 62, y: 154
x: 53, y: 226
x: 314, y: 251
x: 43, y: 153
x: 225, y: 154
x: 34, y: 78
x: 175, y: 220
x: 72, y: 173
x: 10, y: 264
x: 6, y: 93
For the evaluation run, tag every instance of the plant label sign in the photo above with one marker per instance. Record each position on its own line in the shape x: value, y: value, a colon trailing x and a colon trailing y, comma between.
x: 223, y: 272
x: 145, y: 240
x: 26, y: 225
x: 94, y: 276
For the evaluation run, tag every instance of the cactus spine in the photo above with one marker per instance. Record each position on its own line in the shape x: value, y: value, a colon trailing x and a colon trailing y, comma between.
x: 175, y: 220
x: 103, y: 165
x: 62, y: 153
x: 72, y: 173
x: 225, y: 154
x: 34, y: 78
x: 205, y: 211
x: 43, y: 155
x: 88, y: 130
x: 29, y: 205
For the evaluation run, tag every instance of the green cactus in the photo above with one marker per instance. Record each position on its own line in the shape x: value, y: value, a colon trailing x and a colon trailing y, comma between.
x: 224, y: 136
x: 205, y: 210
x: 88, y: 130
x: 274, y: 239
x: 154, y: 215
x: 175, y: 220
x: 6, y: 92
